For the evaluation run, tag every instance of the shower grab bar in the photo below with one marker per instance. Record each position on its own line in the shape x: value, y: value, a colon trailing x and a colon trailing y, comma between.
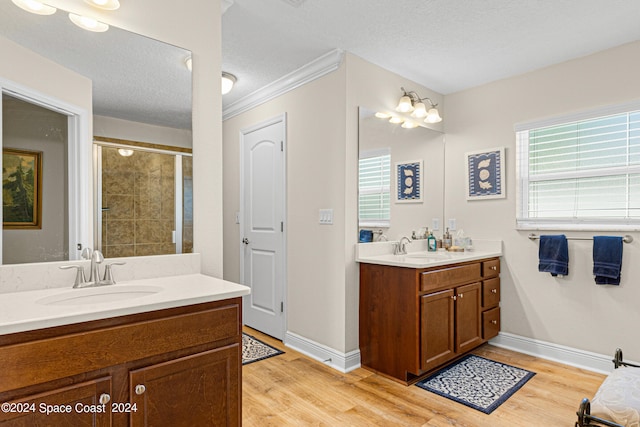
x: 626, y: 239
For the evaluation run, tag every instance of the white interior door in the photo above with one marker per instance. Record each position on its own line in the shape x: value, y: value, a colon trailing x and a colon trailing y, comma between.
x: 262, y: 225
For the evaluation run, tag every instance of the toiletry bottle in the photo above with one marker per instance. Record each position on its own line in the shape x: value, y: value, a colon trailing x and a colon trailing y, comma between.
x: 446, y: 239
x: 431, y: 243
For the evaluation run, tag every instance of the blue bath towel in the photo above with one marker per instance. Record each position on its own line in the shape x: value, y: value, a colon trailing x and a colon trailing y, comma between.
x: 554, y: 255
x: 607, y: 259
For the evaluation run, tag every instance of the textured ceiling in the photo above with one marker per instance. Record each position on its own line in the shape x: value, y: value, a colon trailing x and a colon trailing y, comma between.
x: 134, y: 77
x: 445, y: 45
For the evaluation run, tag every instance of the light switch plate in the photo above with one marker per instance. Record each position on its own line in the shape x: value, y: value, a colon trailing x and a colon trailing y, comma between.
x: 326, y: 216
x: 452, y: 224
x: 435, y: 224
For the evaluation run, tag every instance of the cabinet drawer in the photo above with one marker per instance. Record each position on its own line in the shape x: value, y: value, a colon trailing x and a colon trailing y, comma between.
x: 435, y: 279
x: 490, y: 323
x: 491, y: 292
x: 491, y: 268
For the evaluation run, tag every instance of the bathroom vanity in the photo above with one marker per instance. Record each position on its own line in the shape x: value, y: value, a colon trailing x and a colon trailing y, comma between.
x: 421, y: 310
x: 172, y: 357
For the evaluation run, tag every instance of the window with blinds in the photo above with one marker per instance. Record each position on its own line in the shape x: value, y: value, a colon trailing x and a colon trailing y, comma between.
x: 374, y: 185
x: 581, y: 174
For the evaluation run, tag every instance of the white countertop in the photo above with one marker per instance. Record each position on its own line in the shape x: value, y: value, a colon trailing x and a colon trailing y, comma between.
x: 381, y: 253
x: 29, y: 310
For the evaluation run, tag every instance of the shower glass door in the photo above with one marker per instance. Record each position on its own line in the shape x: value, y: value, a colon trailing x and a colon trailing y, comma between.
x: 144, y: 201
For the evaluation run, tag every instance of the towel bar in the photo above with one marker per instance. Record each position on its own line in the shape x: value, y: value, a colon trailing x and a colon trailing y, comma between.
x: 626, y: 239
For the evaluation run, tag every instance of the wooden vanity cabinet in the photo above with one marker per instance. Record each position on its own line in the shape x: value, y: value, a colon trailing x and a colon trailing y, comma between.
x: 178, y: 367
x: 415, y: 320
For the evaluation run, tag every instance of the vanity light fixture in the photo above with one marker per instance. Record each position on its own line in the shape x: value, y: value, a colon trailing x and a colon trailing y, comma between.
x: 34, y: 6
x: 382, y: 115
x: 409, y: 124
x: 104, y: 4
x: 410, y: 102
x: 228, y: 80
x: 88, y: 24
x: 396, y: 120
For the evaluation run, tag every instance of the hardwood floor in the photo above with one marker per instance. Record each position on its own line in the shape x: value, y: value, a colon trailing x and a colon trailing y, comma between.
x: 294, y: 390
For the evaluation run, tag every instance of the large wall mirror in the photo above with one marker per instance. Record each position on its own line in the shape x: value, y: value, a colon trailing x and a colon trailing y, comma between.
x: 377, y: 138
x: 96, y: 133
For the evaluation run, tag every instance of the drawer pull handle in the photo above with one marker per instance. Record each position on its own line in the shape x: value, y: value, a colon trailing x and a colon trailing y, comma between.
x: 104, y: 398
x: 494, y: 291
x: 495, y: 322
x: 140, y: 389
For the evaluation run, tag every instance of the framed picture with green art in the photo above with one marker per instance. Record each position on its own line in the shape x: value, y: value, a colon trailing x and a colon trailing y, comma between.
x: 21, y: 189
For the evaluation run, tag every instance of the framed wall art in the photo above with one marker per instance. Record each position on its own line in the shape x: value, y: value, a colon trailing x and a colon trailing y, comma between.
x: 485, y: 174
x: 21, y: 189
x: 409, y: 182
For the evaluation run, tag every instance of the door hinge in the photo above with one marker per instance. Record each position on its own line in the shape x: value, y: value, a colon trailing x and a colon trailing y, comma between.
x: 281, y: 306
x: 282, y: 226
x: 281, y: 145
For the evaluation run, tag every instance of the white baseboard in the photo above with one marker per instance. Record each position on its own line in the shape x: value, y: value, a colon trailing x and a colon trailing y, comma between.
x: 343, y: 362
x: 558, y: 353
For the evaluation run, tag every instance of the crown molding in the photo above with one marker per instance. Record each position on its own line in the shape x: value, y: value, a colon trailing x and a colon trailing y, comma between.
x: 315, y: 69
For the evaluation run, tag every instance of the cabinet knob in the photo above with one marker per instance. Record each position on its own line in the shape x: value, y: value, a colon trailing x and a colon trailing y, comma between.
x: 494, y: 291
x: 493, y: 267
x: 453, y: 297
x: 104, y: 398
x: 140, y: 389
x: 460, y: 295
x: 495, y: 322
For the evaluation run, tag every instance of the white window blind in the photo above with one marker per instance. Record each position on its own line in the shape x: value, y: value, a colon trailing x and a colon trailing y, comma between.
x: 581, y: 174
x: 374, y: 185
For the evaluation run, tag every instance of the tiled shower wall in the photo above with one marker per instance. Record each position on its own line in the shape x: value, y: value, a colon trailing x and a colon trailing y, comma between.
x: 138, y: 194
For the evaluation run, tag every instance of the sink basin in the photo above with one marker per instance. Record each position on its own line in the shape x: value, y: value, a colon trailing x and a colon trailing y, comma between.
x: 100, y: 295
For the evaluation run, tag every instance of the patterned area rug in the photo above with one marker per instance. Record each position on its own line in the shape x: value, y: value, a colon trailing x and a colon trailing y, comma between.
x: 254, y: 350
x: 477, y: 382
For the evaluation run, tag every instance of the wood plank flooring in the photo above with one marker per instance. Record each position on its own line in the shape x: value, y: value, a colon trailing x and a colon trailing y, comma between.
x: 294, y: 390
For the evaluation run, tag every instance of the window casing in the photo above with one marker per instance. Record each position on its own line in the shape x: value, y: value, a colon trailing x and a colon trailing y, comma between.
x: 580, y: 172
x: 374, y: 188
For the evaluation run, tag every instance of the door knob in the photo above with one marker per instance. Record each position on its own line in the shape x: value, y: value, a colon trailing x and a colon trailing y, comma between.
x: 245, y: 241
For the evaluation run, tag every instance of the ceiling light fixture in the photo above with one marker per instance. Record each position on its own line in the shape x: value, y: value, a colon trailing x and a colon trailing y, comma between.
x: 228, y: 80
x: 88, y: 24
x: 410, y: 102
x: 125, y: 152
x: 34, y: 6
x: 104, y: 4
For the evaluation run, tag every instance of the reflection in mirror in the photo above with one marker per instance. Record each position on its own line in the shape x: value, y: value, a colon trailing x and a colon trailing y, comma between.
x: 377, y: 138
x: 137, y: 88
x: 35, y: 221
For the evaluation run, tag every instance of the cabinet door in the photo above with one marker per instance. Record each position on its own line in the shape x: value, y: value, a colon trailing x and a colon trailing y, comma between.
x: 468, y: 326
x: 198, y: 390
x: 74, y: 406
x: 437, y: 344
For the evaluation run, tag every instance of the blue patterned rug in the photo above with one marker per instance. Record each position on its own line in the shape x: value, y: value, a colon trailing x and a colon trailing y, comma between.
x: 477, y: 382
x: 254, y: 350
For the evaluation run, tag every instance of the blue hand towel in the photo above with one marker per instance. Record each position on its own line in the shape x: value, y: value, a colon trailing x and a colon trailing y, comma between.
x: 607, y: 259
x: 554, y: 255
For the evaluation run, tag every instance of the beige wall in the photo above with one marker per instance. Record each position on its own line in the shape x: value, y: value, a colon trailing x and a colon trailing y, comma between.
x: 196, y: 28
x: 570, y: 311
x: 110, y: 127
x: 322, y: 160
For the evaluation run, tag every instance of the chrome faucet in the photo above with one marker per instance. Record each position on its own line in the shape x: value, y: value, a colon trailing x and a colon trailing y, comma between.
x: 94, y: 273
x: 96, y: 258
x: 400, y: 248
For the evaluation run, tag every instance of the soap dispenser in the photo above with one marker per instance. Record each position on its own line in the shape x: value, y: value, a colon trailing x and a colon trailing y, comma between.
x: 432, y: 245
x: 446, y: 239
